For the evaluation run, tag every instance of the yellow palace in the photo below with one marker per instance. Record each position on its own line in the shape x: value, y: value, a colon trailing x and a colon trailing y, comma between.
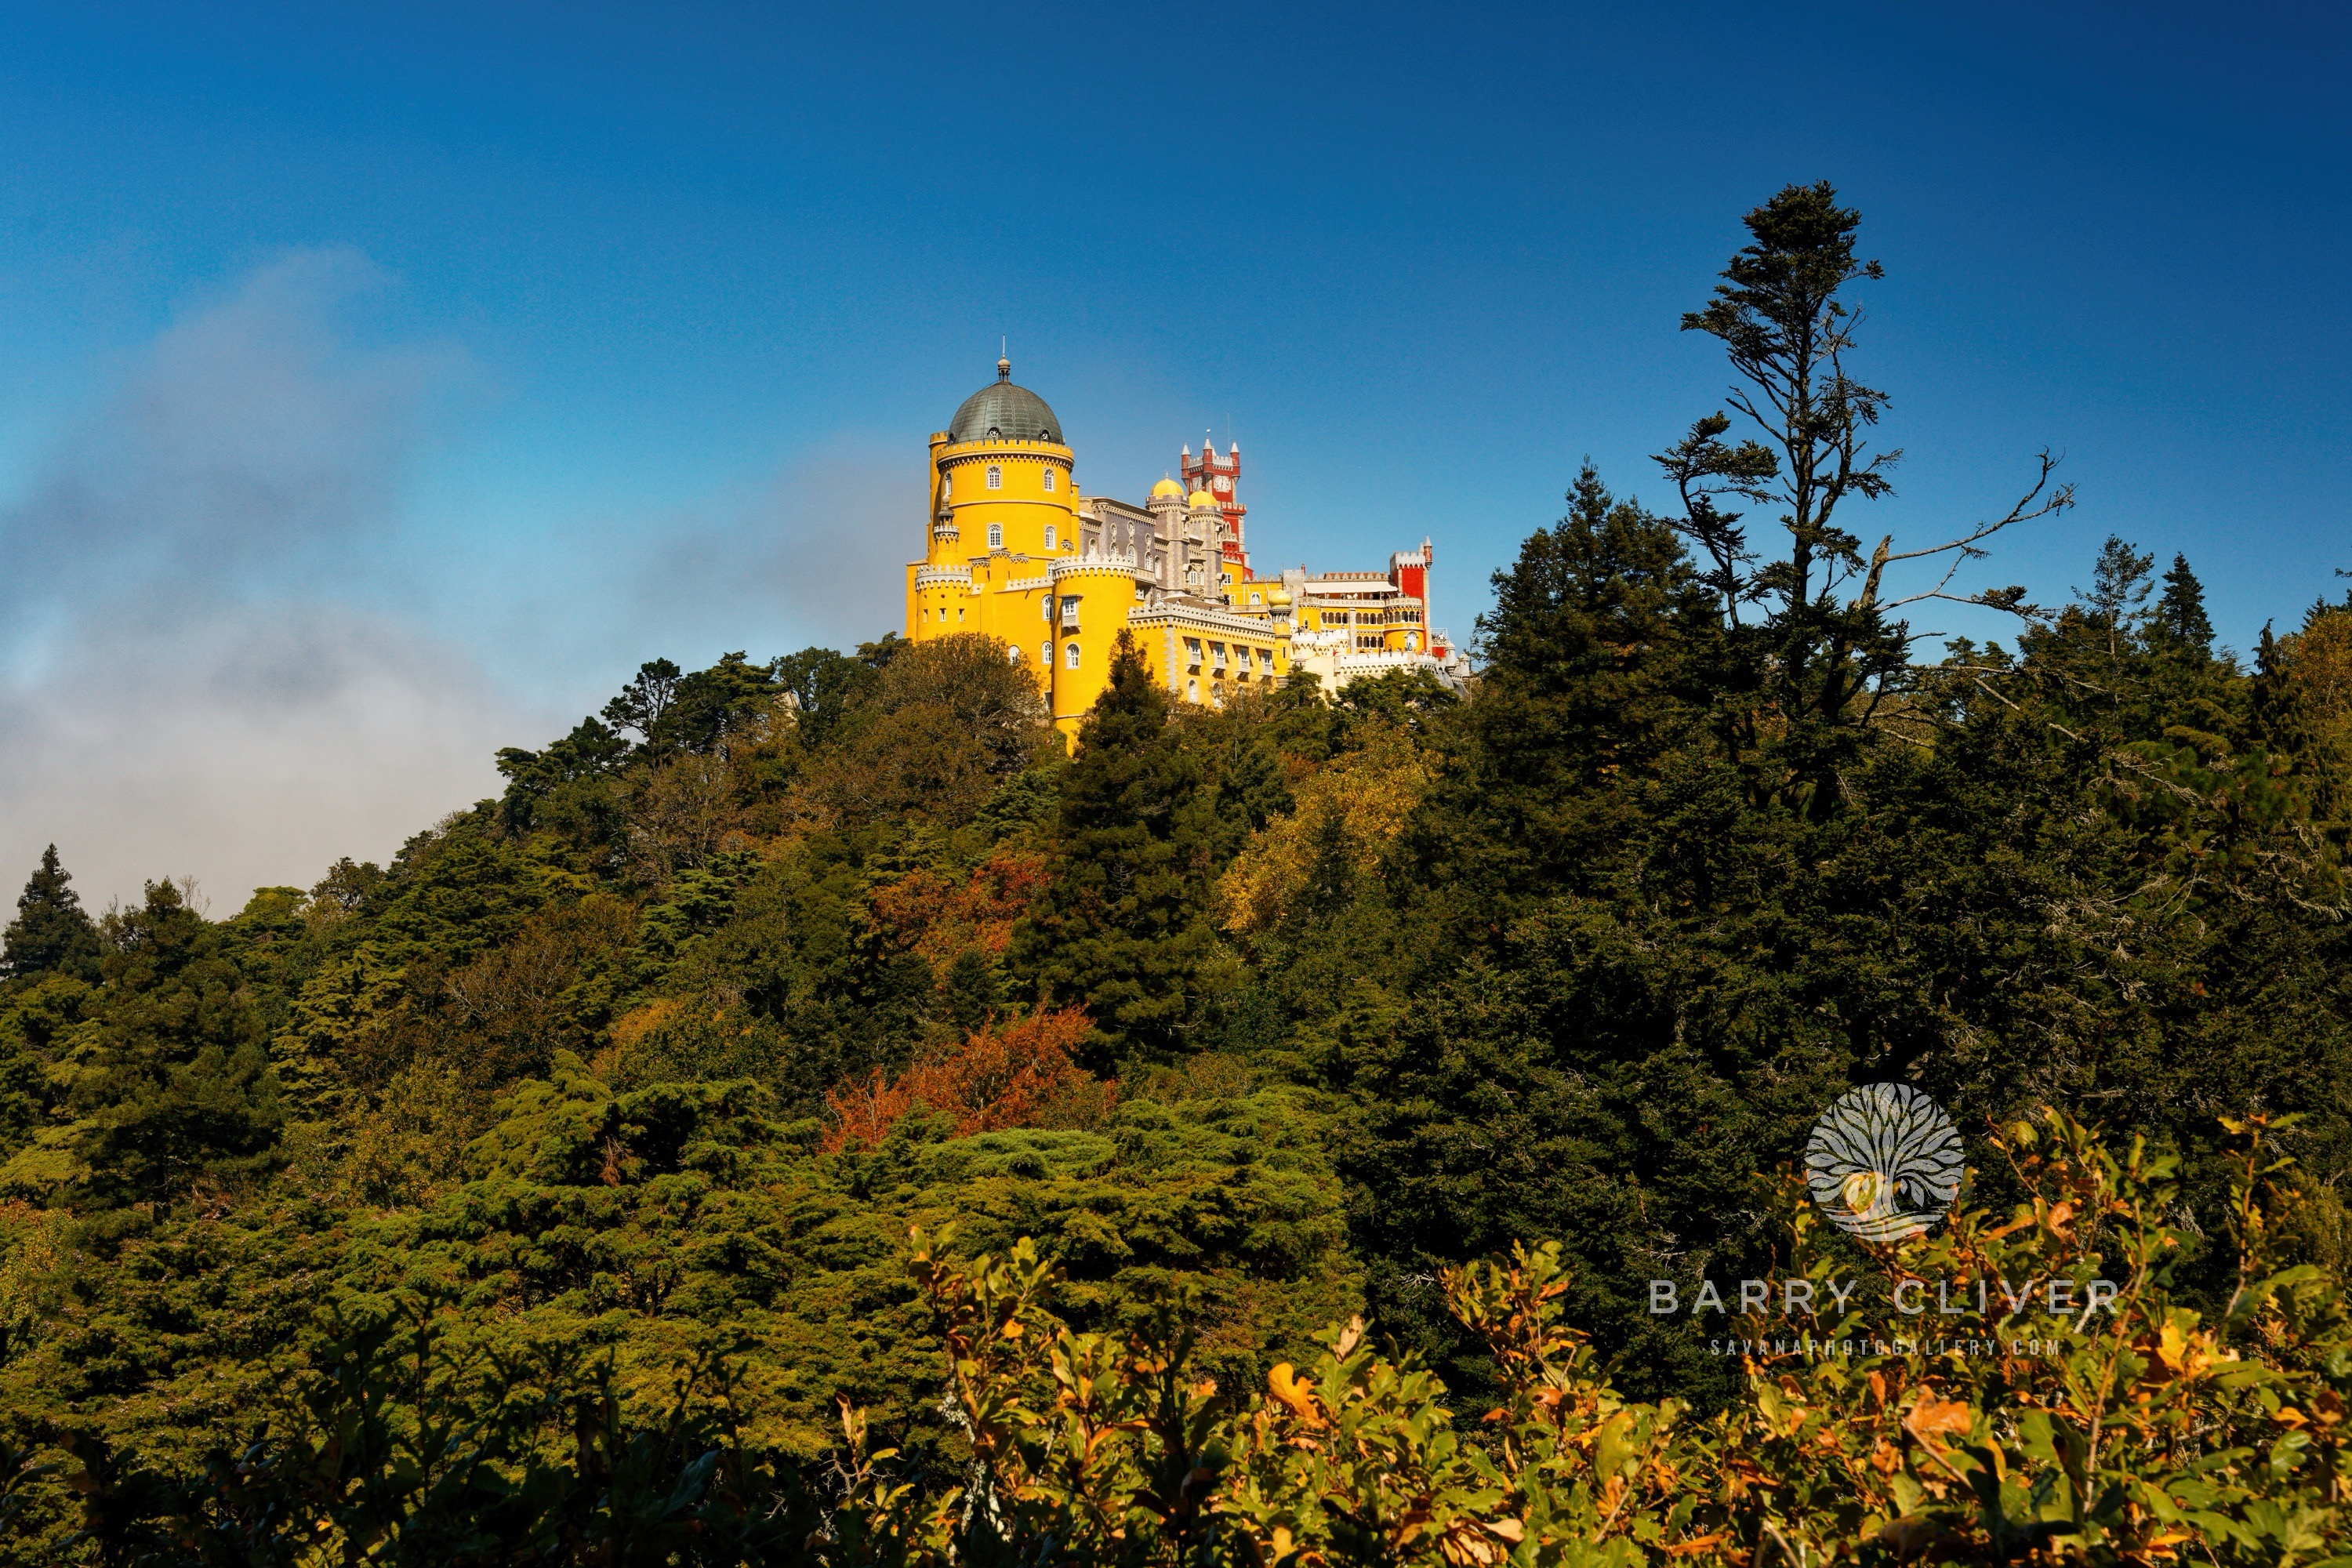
x: 1016, y: 552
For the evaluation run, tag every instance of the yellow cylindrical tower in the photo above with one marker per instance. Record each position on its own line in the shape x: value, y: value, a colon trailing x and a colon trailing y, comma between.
x: 1003, y: 511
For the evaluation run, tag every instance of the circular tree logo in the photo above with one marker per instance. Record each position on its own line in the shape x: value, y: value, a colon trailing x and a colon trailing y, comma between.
x: 1884, y: 1162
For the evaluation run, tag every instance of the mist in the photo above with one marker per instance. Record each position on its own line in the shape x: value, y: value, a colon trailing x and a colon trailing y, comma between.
x: 230, y: 651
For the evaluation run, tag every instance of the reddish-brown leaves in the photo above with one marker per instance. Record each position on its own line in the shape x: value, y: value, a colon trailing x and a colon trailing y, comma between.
x: 1001, y: 1075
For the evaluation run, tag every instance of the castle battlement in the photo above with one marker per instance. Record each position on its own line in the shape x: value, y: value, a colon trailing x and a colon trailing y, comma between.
x: 1016, y: 553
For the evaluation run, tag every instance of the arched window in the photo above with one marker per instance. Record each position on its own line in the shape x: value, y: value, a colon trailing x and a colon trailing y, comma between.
x: 995, y: 478
x: 1045, y: 657
x: 1013, y: 653
x: 1070, y: 655
x: 1049, y: 536
x: 1045, y: 608
x: 996, y: 536
x: 1049, y: 480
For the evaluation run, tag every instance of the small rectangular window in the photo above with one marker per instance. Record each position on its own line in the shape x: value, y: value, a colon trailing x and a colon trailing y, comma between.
x: 995, y: 478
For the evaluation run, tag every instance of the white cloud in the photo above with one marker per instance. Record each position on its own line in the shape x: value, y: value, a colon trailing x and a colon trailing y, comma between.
x: 216, y: 648
x: 814, y: 554
x: 196, y: 675
x: 250, y: 747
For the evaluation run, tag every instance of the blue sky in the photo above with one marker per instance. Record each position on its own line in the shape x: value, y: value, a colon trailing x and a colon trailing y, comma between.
x: 377, y: 389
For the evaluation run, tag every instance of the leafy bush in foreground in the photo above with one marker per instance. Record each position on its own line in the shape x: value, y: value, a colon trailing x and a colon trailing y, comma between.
x: 2134, y: 1432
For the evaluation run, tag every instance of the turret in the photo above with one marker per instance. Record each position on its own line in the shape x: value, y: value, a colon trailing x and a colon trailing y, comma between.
x: 1202, y: 555
x: 1167, y: 508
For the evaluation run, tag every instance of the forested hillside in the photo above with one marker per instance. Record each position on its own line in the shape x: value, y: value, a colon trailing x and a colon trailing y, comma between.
x: 594, y: 1125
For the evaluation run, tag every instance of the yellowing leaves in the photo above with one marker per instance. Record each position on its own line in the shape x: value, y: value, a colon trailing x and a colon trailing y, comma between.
x: 1942, y: 1415
x: 1355, y: 807
x: 2182, y: 1352
x: 1297, y: 1396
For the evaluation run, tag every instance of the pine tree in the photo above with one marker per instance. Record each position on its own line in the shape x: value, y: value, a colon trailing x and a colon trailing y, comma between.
x: 2180, y: 624
x: 177, y: 1089
x: 1124, y: 928
x: 646, y: 701
x: 2117, y: 596
x: 1594, y: 631
x: 50, y: 933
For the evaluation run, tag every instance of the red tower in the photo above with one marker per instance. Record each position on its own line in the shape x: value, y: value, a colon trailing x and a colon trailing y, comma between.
x: 1220, y: 480
x: 1409, y: 570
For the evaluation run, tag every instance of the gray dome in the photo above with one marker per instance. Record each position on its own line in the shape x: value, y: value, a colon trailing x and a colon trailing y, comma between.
x: 1004, y: 412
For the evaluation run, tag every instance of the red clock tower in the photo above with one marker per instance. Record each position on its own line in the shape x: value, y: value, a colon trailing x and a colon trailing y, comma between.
x: 1221, y: 478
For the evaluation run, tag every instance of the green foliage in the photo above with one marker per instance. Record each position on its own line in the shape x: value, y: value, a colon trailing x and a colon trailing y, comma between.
x: 171, y: 1088
x: 501, y: 1203
x: 2180, y: 625
x: 50, y: 933
x: 1594, y: 637
x: 1126, y: 927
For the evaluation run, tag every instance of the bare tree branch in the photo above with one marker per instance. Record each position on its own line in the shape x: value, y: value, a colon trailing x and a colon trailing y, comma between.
x: 2035, y: 504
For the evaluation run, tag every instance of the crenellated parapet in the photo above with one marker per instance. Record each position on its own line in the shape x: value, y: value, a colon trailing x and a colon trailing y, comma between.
x: 1073, y: 570
x: 1015, y: 553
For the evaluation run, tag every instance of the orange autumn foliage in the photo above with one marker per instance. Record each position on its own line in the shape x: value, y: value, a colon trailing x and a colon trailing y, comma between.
x: 1004, y: 1075
x: 939, y: 919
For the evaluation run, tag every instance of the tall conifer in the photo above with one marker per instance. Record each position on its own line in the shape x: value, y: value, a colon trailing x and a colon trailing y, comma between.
x: 177, y: 1089
x: 50, y: 933
x: 2180, y: 623
x: 1124, y: 928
